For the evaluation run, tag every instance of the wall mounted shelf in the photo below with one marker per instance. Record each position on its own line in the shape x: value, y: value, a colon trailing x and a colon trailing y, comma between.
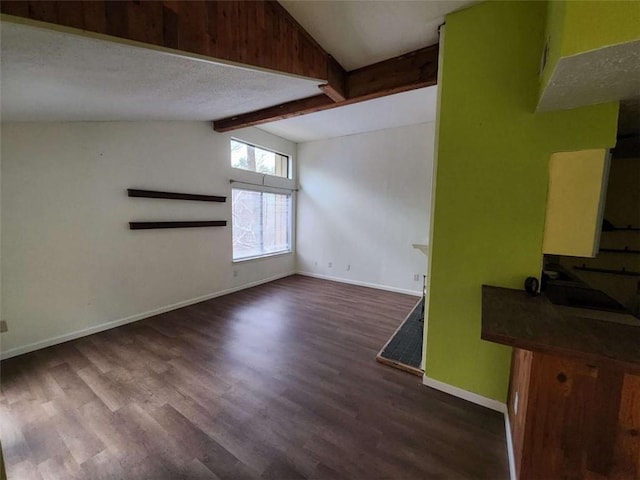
x: 133, y: 192
x: 619, y: 250
x: 190, y: 224
x: 607, y: 226
x: 628, y: 273
x: 422, y: 247
x: 630, y: 228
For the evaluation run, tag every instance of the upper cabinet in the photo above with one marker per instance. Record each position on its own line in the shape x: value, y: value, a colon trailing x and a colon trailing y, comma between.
x: 575, y: 202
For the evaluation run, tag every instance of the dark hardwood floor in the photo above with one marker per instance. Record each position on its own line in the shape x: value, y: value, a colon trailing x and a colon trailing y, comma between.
x: 278, y: 382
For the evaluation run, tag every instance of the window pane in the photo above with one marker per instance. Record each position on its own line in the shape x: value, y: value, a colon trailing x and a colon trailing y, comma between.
x: 261, y: 223
x: 275, y: 210
x: 247, y: 229
x: 255, y: 159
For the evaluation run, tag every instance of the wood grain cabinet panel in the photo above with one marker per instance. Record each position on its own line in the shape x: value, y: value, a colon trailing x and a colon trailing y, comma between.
x: 573, y: 420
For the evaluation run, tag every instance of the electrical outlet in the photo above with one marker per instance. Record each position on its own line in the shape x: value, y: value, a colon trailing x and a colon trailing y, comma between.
x: 330, y: 264
x: 315, y: 264
x: 416, y: 277
x: 235, y: 273
x: 3, y: 326
x: 348, y: 267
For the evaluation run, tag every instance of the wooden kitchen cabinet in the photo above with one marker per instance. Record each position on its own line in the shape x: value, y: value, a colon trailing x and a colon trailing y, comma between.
x: 573, y: 420
x: 574, y: 395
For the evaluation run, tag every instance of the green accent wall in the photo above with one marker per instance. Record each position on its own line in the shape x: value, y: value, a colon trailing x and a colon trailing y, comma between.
x: 556, y: 13
x: 491, y: 181
x: 590, y: 25
x: 580, y: 26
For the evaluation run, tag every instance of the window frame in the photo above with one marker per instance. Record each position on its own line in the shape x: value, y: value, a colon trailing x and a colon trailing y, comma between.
x: 261, y: 182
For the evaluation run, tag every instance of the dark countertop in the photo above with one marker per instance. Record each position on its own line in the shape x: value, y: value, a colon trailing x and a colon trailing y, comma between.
x: 512, y: 317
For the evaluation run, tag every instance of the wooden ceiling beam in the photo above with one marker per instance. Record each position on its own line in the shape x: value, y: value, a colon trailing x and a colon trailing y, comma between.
x: 336, y: 86
x: 412, y: 70
x: 406, y: 72
x: 277, y: 112
x: 253, y: 33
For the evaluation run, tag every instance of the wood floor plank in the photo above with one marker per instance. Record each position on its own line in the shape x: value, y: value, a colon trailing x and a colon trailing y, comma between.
x: 15, y: 448
x: 109, y: 428
x: 274, y: 382
x: 43, y: 440
x: 107, y: 391
x: 81, y: 442
x: 353, y: 464
x: 25, y: 469
x: 75, y: 390
x: 103, y: 467
x: 60, y: 466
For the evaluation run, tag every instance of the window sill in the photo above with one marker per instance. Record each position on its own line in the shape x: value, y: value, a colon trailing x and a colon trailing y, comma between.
x: 261, y: 257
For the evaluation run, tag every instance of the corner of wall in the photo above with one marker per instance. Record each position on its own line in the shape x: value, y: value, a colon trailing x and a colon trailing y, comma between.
x: 492, y: 182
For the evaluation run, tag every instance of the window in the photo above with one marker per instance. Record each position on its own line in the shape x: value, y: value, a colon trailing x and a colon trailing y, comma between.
x: 261, y: 202
x: 261, y: 223
x: 256, y: 159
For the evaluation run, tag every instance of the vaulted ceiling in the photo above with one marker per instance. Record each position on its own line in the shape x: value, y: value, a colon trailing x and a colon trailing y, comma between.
x: 359, y: 33
x: 51, y: 75
x: 110, y: 61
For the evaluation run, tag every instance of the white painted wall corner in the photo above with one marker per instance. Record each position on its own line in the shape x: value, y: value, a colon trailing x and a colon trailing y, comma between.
x: 377, y: 286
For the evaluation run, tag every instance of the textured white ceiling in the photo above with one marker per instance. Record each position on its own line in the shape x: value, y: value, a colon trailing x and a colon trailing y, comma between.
x: 603, y: 75
x: 362, y: 32
x: 408, y: 108
x: 48, y: 75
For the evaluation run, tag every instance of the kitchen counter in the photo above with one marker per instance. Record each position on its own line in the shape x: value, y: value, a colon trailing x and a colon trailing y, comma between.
x: 574, y: 389
x: 515, y: 318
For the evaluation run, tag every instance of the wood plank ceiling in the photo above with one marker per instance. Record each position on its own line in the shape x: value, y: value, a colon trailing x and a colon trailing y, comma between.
x: 254, y: 33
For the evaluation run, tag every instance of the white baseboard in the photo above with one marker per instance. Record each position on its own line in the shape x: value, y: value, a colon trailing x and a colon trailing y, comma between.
x: 465, y: 394
x: 133, y: 318
x: 510, y: 453
x: 485, y: 402
x: 362, y: 284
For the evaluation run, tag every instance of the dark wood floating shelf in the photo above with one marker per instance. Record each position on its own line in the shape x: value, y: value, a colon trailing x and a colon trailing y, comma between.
x: 607, y: 270
x: 619, y: 250
x: 629, y: 228
x: 152, y: 225
x: 132, y: 192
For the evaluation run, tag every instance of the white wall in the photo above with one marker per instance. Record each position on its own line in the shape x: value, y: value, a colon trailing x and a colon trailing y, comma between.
x: 362, y: 203
x: 70, y: 264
